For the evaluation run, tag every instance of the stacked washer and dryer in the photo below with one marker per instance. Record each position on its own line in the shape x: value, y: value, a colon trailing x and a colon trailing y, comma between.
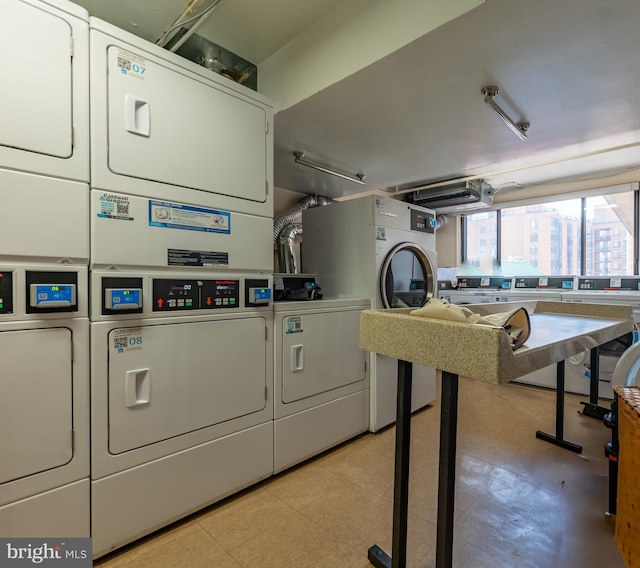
x: 44, y: 254
x: 181, y: 263
x: 384, y: 250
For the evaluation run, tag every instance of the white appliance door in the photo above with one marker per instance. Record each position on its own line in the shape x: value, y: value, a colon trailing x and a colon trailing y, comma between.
x: 36, y: 415
x: 35, y: 100
x: 320, y: 352
x: 167, y: 380
x: 407, y: 277
x: 169, y: 126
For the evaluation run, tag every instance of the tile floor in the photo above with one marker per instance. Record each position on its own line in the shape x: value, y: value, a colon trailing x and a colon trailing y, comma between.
x: 520, y: 502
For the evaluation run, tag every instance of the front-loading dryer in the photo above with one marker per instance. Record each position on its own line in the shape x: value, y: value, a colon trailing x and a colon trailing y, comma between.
x: 163, y: 127
x: 382, y: 249
x: 44, y: 407
x: 181, y: 395
x: 321, y: 377
x: 45, y: 90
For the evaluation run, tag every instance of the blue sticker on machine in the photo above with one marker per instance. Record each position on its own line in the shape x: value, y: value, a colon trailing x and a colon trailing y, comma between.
x: 169, y: 215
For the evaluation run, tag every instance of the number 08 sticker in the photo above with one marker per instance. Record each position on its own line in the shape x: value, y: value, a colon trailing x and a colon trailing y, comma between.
x: 127, y: 340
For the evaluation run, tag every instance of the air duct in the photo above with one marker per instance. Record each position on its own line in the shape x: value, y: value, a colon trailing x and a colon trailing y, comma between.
x: 287, y: 226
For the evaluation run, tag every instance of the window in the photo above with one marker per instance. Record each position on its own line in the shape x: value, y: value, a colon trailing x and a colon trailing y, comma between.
x: 608, y: 215
x: 475, y: 225
x: 537, y: 231
x: 547, y: 238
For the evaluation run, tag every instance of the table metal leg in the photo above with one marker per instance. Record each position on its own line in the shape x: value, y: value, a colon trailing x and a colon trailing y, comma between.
x: 398, y: 558
x: 558, y: 439
x: 591, y: 408
x: 447, y: 469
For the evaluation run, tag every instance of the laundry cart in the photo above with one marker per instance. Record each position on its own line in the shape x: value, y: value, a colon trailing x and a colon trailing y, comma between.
x: 321, y: 377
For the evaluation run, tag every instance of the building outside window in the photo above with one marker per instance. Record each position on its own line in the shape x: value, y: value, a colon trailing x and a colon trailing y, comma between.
x: 546, y: 239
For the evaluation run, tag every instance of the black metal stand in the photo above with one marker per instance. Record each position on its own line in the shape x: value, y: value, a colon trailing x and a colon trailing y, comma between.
x: 398, y: 558
x: 591, y: 408
x: 558, y: 439
x: 446, y: 479
x: 447, y: 471
x: 611, y: 451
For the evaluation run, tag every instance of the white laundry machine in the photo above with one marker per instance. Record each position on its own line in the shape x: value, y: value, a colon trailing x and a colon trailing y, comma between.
x: 45, y: 93
x: 182, y: 408
x: 44, y: 251
x: 44, y: 407
x: 382, y: 249
x: 181, y: 263
x: 321, y: 380
x: 603, y: 290
x: 527, y: 288
x: 473, y: 289
x: 196, y: 143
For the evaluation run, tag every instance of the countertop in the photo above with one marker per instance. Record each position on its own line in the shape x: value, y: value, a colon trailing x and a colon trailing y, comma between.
x: 558, y: 330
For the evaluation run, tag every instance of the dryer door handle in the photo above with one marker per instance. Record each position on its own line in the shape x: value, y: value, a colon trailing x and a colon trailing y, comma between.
x: 136, y: 116
x: 137, y: 387
x: 297, y: 358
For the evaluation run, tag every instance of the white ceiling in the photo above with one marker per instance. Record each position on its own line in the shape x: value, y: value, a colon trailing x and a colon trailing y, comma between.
x: 569, y: 67
x: 252, y: 29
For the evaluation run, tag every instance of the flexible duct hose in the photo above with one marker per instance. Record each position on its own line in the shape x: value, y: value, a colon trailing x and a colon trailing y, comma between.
x: 294, y: 215
x: 287, y: 226
x: 286, y: 248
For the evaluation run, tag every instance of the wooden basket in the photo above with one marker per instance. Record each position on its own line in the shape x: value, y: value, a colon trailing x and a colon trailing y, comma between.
x: 628, y: 505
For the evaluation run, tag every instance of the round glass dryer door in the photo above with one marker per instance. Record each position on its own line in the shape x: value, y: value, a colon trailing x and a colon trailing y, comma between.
x: 407, y: 278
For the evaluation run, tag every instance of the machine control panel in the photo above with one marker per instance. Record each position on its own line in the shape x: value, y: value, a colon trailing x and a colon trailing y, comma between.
x: 423, y: 222
x: 630, y: 283
x: 543, y: 283
x: 6, y: 292
x: 479, y: 282
x: 123, y: 298
x: 171, y: 295
x: 49, y: 292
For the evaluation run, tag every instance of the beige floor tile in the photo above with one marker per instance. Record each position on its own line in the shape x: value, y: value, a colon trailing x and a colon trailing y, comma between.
x: 296, y: 541
x: 307, y: 484
x: 184, y: 545
x: 244, y: 517
x: 520, y: 502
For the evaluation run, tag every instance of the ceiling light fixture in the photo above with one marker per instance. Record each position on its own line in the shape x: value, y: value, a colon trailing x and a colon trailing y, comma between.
x: 519, y: 128
x: 300, y: 159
